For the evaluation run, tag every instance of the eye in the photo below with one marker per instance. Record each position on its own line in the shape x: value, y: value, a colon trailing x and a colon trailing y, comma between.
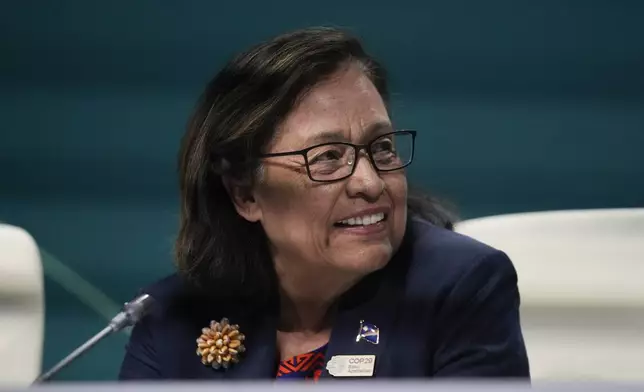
x: 382, y: 145
x: 326, y: 154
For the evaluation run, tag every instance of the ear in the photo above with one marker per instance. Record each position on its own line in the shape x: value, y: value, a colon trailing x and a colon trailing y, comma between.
x: 243, y: 199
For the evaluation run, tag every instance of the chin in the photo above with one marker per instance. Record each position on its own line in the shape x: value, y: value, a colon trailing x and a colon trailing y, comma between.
x: 367, y: 260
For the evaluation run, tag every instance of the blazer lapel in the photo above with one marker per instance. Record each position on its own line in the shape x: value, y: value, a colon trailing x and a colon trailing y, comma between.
x: 374, y: 302
x: 259, y: 359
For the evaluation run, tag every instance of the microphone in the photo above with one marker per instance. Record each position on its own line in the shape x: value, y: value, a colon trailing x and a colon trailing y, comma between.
x: 132, y: 312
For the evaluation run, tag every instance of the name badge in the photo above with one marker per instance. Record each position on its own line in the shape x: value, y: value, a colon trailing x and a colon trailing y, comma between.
x: 351, y: 365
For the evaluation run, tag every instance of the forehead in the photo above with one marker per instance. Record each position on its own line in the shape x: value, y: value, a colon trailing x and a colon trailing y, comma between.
x: 347, y: 107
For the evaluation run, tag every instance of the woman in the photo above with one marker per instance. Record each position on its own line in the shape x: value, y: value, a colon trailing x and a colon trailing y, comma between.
x: 301, y: 254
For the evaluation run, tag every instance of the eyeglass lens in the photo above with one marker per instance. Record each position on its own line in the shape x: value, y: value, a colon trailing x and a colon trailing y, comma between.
x: 335, y: 160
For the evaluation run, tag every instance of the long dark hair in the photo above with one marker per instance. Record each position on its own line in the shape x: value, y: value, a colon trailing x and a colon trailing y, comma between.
x: 217, y: 250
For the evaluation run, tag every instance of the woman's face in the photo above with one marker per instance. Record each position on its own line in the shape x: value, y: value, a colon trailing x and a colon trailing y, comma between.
x: 301, y: 217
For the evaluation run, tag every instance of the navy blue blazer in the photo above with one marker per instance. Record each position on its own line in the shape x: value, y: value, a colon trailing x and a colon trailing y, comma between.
x: 445, y: 305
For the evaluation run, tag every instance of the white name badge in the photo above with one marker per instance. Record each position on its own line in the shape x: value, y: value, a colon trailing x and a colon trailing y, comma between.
x: 351, y: 365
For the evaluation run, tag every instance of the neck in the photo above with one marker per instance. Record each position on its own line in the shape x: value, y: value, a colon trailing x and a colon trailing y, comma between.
x: 308, y: 296
x: 307, y: 316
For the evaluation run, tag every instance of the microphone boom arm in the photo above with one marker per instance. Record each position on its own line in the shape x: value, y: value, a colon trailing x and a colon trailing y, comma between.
x: 75, y: 354
x: 132, y: 312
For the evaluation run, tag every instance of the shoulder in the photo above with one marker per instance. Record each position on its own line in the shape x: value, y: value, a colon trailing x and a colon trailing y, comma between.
x: 429, y: 237
x: 169, y: 297
x: 175, y: 300
x: 143, y: 356
x: 175, y: 318
x: 166, y: 288
x: 471, y: 304
x: 180, y: 306
x: 167, y: 294
x: 446, y: 258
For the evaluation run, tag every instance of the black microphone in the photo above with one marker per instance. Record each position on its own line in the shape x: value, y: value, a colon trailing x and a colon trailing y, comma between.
x: 132, y: 312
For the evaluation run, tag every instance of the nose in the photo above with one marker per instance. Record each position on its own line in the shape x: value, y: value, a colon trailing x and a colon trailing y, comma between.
x: 365, y: 181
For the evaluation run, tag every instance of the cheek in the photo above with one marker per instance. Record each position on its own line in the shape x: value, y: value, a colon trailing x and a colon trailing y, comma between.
x: 295, y: 207
x: 296, y: 218
x: 397, y: 188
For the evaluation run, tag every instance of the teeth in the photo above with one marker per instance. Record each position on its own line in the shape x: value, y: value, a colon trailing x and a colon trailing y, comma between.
x: 364, y: 220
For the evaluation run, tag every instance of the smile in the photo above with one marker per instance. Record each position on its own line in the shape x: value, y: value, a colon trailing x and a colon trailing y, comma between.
x: 365, y: 220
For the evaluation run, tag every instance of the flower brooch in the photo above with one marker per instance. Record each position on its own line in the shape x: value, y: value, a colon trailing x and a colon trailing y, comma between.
x: 219, y: 345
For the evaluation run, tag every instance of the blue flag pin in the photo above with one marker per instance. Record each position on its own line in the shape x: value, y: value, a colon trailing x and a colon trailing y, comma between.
x: 368, y: 332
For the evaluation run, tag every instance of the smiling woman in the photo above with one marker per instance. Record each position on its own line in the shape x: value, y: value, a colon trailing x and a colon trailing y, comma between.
x: 298, y: 229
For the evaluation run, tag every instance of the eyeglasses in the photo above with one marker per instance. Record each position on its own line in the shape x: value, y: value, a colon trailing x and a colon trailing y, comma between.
x: 336, y: 161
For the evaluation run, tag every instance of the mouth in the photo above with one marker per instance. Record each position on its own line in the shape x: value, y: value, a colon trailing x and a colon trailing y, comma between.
x: 362, y: 221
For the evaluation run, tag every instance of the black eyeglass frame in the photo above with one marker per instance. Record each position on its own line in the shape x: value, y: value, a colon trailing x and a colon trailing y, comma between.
x: 357, y: 148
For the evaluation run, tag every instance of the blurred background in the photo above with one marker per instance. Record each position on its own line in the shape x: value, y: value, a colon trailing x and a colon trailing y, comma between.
x: 520, y: 106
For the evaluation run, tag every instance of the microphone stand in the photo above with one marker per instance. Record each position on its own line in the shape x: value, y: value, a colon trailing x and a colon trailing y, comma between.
x: 75, y: 354
x: 133, y: 311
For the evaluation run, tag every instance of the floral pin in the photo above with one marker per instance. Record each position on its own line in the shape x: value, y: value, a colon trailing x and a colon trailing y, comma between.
x: 219, y: 345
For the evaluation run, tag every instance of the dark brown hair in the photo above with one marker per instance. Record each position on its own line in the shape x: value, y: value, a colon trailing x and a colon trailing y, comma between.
x: 216, y: 249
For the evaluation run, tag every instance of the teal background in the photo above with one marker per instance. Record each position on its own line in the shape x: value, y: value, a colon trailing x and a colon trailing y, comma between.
x: 520, y: 106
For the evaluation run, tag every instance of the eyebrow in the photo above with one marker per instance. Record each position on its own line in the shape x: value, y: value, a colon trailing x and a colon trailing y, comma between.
x: 338, y: 135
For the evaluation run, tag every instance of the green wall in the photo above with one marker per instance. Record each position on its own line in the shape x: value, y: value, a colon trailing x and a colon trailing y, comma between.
x: 521, y: 106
